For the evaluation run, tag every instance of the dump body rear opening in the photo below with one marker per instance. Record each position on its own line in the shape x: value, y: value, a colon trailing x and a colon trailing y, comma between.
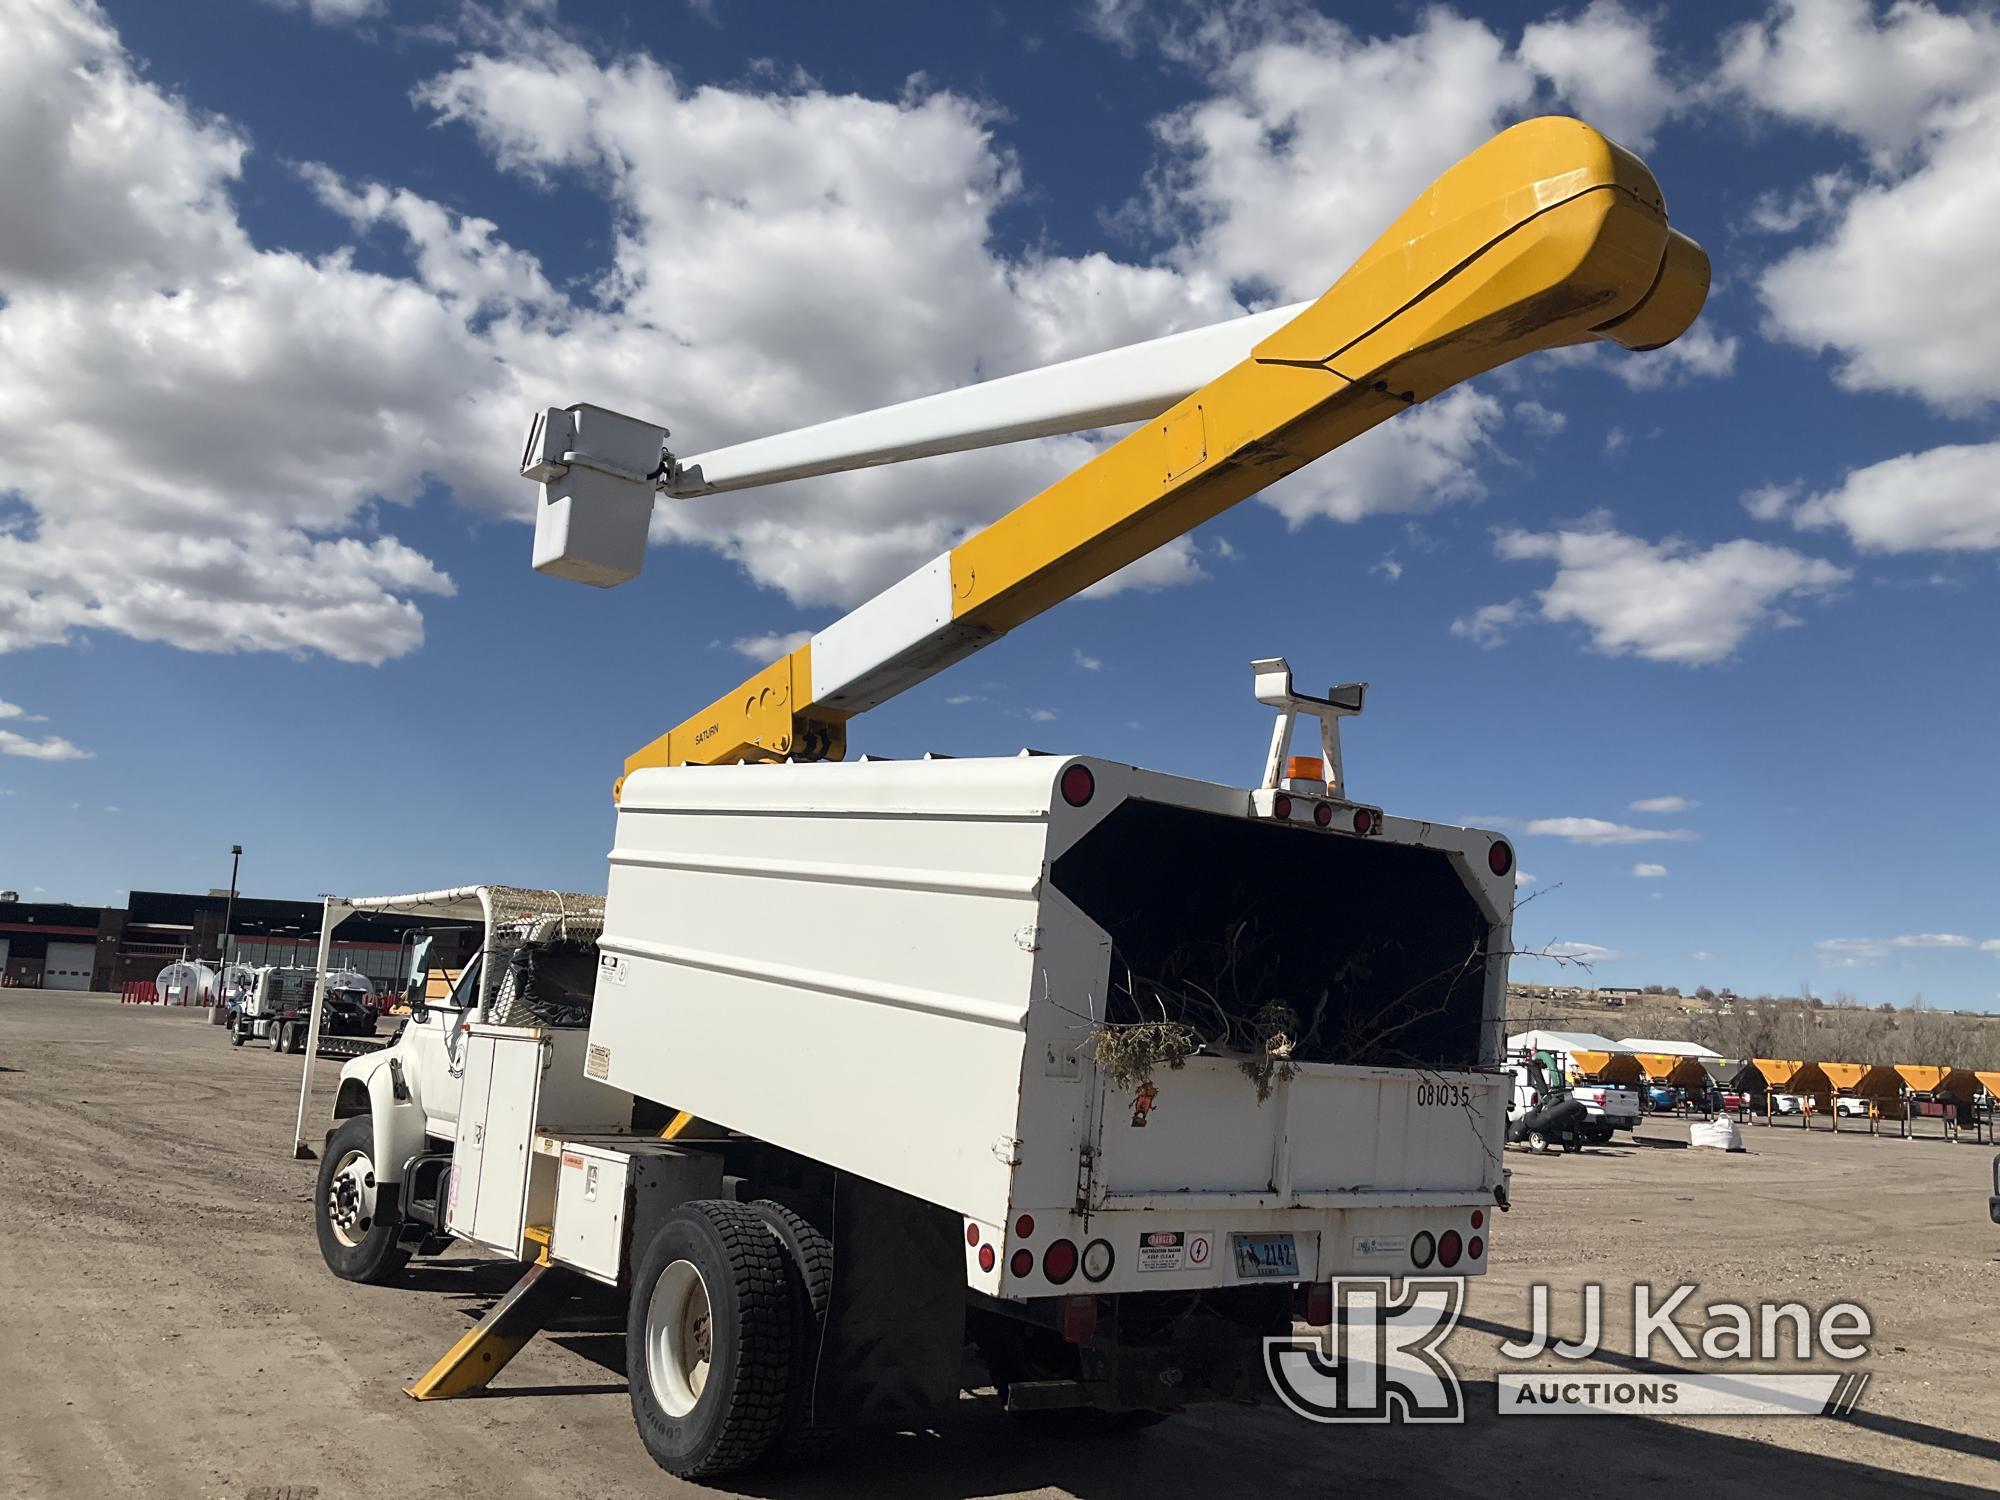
x: 1377, y: 949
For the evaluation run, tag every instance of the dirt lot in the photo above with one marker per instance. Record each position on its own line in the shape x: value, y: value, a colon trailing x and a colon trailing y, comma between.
x: 166, y: 1328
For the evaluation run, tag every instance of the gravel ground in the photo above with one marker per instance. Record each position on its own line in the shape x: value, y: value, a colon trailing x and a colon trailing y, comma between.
x: 167, y: 1329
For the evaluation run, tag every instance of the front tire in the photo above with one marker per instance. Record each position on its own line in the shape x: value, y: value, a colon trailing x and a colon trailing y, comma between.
x: 357, y: 1216
x: 709, y: 1338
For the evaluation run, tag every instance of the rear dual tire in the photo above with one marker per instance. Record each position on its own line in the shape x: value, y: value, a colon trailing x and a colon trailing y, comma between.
x: 709, y: 1340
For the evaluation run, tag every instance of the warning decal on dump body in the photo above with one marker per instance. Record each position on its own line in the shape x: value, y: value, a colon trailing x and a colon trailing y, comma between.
x: 1163, y: 1250
x: 597, y: 1062
x: 1395, y: 1246
x: 611, y: 968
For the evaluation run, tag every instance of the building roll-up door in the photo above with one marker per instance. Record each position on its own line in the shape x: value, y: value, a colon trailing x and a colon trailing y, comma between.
x: 67, y: 966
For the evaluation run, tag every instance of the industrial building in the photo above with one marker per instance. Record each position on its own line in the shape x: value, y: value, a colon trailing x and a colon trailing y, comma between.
x: 52, y: 945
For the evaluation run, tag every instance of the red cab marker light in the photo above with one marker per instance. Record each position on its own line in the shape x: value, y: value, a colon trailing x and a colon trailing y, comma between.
x: 1499, y: 858
x: 1450, y: 1247
x: 1025, y: 1225
x: 1364, y: 820
x: 1059, y: 1262
x: 986, y: 1257
x: 1078, y: 785
x: 1022, y: 1262
x: 1281, y: 806
x: 1479, y: 1218
x: 1474, y: 1248
x: 1323, y: 814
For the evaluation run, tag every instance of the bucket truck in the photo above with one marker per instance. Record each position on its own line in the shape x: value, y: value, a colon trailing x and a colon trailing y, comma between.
x: 1107, y: 1070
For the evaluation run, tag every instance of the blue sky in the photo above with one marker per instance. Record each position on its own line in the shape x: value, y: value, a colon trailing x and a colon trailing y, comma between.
x: 301, y: 272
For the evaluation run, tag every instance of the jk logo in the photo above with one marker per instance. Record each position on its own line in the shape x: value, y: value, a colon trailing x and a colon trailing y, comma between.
x: 1380, y: 1360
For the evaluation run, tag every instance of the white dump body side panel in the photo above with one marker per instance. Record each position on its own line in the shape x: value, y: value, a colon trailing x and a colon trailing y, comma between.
x: 834, y: 958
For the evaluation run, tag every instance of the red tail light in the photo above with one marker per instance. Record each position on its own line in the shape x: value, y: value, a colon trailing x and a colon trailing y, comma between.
x: 986, y: 1257
x: 1059, y: 1262
x: 1281, y: 806
x: 1323, y: 814
x: 1499, y: 858
x: 1364, y: 820
x: 1078, y: 785
x: 1474, y: 1248
x: 972, y: 1234
x: 1319, y: 1304
x: 1479, y: 1218
x: 1021, y: 1262
x: 1025, y: 1226
x: 1450, y: 1247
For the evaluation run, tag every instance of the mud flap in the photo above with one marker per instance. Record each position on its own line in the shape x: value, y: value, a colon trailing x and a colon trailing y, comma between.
x: 895, y: 1325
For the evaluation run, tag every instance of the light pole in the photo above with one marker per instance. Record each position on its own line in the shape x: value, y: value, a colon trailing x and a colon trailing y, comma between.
x: 228, y: 913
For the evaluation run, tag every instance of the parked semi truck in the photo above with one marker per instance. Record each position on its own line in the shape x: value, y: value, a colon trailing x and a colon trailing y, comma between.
x: 1108, y: 1070
x: 273, y: 1004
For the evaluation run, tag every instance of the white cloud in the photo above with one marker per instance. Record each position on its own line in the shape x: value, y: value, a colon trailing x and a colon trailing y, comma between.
x: 1522, y: 880
x: 1649, y: 872
x: 1042, y: 715
x: 958, y: 698
x: 1668, y: 601
x: 1899, y: 285
x: 1849, y: 953
x: 1388, y: 567
x: 1663, y: 805
x: 1615, y: 439
x: 1088, y: 663
x: 335, y: 12
x: 770, y: 646
x: 1701, y: 955
x: 1487, y: 625
x: 245, y: 410
x: 1946, y: 498
x: 1603, y: 831
x: 226, y: 413
x: 54, y: 747
x: 50, y: 747
x: 1538, y: 418
x: 1834, y: 64
x: 1291, y: 168
x: 1772, y: 502
x: 1606, y: 63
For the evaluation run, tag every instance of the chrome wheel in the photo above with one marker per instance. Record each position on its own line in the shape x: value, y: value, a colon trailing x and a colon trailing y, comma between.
x: 350, y: 1200
x: 679, y: 1338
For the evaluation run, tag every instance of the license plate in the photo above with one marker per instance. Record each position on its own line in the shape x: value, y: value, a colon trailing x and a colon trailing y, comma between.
x: 1266, y: 1255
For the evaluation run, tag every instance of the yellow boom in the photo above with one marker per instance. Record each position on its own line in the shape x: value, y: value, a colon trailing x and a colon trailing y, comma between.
x: 1549, y: 234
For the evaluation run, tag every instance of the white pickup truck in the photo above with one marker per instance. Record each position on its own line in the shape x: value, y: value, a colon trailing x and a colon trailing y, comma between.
x: 901, y: 1025
x: 1609, y: 1106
